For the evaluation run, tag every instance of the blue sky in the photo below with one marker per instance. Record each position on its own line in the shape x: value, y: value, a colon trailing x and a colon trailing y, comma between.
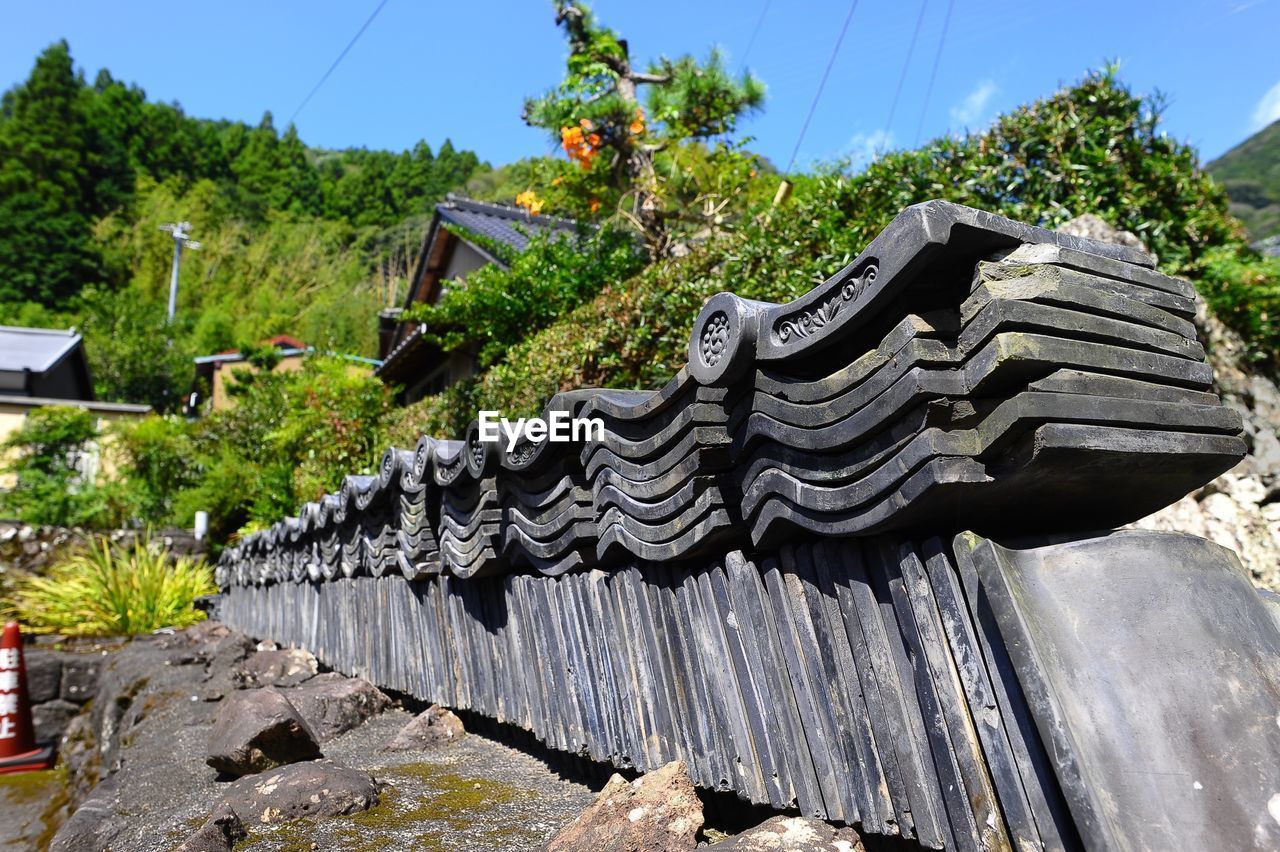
x: 429, y: 69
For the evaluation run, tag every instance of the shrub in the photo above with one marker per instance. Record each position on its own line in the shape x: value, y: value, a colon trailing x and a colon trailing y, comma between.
x: 52, y: 460
x: 498, y: 307
x: 107, y: 591
x: 155, y: 463
x: 290, y: 437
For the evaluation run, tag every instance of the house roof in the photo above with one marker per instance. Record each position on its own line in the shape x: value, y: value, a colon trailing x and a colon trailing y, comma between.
x: 36, y: 360
x: 509, y: 225
x: 7, y: 400
x: 36, y: 349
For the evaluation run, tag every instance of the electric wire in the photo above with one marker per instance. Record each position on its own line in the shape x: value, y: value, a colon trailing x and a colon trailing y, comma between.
x: 933, y: 74
x: 804, y: 128
x: 751, y: 42
x: 337, y: 61
x: 906, y: 65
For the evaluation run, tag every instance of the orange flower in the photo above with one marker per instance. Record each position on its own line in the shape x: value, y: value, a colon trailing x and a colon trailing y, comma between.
x: 587, y: 124
x: 530, y: 201
x: 637, y: 124
x: 557, y: 180
x: 594, y: 204
x: 579, y: 148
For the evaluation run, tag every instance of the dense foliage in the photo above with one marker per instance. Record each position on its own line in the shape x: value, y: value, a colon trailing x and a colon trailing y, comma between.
x: 1094, y: 147
x: 299, y: 240
x: 499, y: 306
x: 290, y: 234
x: 52, y: 460
x: 110, y: 591
x: 1251, y: 173
x: 290, y: 437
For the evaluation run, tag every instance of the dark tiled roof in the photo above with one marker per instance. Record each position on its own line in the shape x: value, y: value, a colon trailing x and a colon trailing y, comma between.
x: 34, y: 349
x: 509, y: 225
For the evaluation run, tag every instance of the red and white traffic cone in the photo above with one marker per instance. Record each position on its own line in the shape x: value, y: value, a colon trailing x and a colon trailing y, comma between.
x: 18, y: 749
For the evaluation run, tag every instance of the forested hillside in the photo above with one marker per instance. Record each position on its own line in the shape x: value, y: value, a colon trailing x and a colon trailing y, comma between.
x: 1251, y: 173
x: 295, y: 239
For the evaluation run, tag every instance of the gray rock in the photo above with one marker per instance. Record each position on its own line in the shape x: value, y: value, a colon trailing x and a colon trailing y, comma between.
x: 792, y: 834
x: 657, y: 812
x: 1094, y: 227
x: 257, y: 730
x: 220, y: 833
x: 333, y: 704
x: 44, y: 675
x: 283, y: 667
x: 80, y: 678
x: 52, y: 718
x: 431, y: 727
x: 313, y: 789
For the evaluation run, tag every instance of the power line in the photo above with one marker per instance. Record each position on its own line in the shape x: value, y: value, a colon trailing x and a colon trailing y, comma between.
x: 915, y: 34
x: 755, y: 32
x: 337, y: 61
x: 933, y: 74
x: 821, y: 83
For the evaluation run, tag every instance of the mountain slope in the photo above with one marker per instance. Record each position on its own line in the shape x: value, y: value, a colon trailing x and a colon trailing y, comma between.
x: 1251, y: 173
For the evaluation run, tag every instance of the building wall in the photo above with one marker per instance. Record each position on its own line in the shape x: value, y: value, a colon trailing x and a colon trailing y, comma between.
x: 224, y: 375
x: 463, y: 262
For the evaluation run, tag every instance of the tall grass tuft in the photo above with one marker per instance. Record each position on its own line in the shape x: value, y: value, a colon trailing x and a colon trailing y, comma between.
x: 106, y: 590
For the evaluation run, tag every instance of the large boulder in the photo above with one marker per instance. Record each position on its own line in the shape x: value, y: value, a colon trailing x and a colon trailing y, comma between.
x: 333, y: 704
x: 656, y: 812
x: 257, y: 730
x: 275, y: 667
x: 431, y: 727
x: 219, y: 833
x: 315, y: 789
x: 792, y: 834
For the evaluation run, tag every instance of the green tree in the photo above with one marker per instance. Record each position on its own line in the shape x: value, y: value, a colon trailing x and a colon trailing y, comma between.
x: 626, y: 152
x: 290, y: 437
x: 1092, y: 147
x: 51, y: 458
x: 155, y: 463
x: 498, y: 307
x: 48, y: 195
x: 135, y: 355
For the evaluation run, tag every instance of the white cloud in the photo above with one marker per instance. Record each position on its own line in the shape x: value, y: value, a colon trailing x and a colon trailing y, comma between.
x: 969, y: 111
x: 865, y: 147
x: 1268, y: 109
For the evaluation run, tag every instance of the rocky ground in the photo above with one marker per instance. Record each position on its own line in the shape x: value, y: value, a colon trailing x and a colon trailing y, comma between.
x: 204, y: 740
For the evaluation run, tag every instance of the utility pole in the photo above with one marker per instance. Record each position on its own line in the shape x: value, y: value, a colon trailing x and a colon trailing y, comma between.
x: 181, y: 233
